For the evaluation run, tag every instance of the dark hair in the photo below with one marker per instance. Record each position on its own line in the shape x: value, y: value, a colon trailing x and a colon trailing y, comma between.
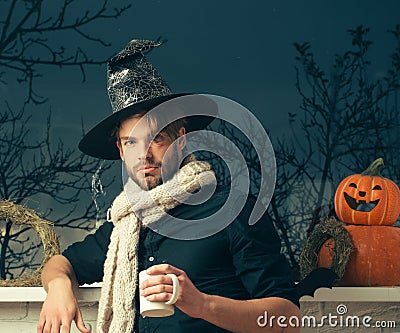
x: 172, y: 129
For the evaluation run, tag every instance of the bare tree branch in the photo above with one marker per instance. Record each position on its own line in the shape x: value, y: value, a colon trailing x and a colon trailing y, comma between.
x: 27, y: 41
x: 32, y: 168
x: 346, y: 120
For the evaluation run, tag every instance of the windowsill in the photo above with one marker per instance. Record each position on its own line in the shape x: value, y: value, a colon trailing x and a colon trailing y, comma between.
x: 355, y: 294
x: 91, y: 293
x: 88, y: 293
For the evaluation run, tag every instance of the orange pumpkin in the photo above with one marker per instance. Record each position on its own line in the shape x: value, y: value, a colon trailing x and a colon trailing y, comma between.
x: 374, y: 260
x: 368, y: 198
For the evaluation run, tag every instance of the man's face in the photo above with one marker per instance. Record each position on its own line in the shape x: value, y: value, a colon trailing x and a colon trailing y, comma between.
x: 146, y: 164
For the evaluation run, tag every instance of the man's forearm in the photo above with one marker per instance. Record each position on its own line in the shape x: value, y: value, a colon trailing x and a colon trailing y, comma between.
x: 58, y: 270
x: 230, y: 314
x: 250, y: 315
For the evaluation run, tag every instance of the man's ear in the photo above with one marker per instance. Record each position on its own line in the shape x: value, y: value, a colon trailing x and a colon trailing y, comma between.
x: 121, y: 154
x: 181, y: 140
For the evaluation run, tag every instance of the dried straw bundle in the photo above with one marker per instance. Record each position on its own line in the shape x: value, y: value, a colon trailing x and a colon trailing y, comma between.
x: 326, y: 229
x: 20, y: 215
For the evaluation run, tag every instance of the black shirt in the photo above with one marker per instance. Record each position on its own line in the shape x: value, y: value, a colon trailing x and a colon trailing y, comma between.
x: 239, y: 262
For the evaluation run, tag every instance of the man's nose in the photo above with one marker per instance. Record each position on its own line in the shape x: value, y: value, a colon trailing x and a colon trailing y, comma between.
x: 144, y: 150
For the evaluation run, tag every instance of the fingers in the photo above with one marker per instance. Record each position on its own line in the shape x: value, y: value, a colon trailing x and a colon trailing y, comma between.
x: 79, y: 323
x: 61, y: 322
x: 53, y: 327
x: 156, y: 280
x: 158, y: 292
x: 163, y: 297
x: 40, y: 325
x: 66, y: 328
x: 157, y: 289
x: 48, y: 326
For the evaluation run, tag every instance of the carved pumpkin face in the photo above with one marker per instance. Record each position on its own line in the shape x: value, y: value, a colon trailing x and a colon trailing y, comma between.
x: 368, y: 200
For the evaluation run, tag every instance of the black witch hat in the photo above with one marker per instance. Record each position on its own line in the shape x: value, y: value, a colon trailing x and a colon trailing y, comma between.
x: 135, y: 85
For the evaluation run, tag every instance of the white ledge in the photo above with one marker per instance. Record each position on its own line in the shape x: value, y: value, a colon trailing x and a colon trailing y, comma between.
x: 355, y: 294
x: 90, y: 293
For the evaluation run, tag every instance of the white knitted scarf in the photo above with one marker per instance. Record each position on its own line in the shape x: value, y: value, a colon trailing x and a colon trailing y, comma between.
x: 131, y: 209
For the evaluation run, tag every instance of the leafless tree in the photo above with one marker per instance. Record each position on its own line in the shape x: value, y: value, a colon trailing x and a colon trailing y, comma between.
x: 31, y: 31
x: 347, y: 119
x: 34, y: 35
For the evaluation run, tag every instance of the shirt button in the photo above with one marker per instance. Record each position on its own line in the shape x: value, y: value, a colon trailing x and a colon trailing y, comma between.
x: 151, y: 258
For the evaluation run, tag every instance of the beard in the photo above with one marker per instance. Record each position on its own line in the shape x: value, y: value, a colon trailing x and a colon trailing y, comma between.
x: 146, y: 181
x: 164, y: 170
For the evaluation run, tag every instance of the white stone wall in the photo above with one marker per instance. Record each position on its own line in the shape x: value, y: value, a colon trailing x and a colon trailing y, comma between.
x: 23, y: 317
x: 374, y: 309
x: 20, y: 309
x: 375, y: 315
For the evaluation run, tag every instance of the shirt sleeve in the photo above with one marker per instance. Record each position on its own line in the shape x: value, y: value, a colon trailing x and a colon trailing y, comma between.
x: 87, y: 257
x: 256, y: 252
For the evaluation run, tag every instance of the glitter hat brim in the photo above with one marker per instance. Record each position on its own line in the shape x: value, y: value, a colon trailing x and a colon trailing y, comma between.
x: 100, y: 142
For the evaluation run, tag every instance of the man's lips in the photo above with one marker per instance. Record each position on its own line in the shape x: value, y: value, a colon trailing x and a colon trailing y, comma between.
x: 147, y: 169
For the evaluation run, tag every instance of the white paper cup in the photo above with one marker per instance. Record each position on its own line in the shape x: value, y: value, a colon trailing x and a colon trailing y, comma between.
x: 158, y: 309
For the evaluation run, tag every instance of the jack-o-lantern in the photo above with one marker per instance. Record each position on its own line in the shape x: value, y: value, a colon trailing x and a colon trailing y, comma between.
x: 368, y: 198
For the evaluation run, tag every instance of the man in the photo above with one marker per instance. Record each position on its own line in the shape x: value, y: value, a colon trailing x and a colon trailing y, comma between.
x: 227, y: 280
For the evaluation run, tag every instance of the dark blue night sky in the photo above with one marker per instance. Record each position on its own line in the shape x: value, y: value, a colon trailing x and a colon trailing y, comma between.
x: 242, y: 50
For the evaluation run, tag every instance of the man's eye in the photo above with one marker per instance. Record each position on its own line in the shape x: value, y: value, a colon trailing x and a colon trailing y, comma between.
x: 158, y: 138
x: 129, y: 142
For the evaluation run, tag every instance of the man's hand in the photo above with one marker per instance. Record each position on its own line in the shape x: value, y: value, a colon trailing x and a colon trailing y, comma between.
x: 59, y: 310
x: 159, y: 289
x: 60, y: 307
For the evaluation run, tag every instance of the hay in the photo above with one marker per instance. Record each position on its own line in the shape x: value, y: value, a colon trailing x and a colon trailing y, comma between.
x: 327, y: 228
x: 17, y: 214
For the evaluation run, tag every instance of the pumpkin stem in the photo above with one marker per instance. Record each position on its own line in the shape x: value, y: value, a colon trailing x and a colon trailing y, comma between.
x: 375, y: 168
